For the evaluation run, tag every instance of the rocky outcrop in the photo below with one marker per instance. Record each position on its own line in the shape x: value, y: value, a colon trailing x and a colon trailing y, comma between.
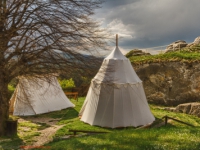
x: 189, y: 108
x: 175, y: 46
x: 170, y: 83
x: 136, y: 52
x: 196, y: 42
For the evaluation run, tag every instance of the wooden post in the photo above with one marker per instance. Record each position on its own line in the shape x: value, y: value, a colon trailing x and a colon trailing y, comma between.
x: 166, y: 120
x: 11, y: 127
x: 116, y: 40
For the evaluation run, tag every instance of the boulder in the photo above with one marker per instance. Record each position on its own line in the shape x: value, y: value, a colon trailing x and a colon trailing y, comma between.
x: 189, y: 108
x: 197, y: 41
x: 175, y: 46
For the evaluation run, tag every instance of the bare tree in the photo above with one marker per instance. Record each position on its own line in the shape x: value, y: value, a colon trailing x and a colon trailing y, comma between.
x: 44, y: 36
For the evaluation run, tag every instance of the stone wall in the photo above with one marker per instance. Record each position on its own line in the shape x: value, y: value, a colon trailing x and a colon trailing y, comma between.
x: 170, y: 83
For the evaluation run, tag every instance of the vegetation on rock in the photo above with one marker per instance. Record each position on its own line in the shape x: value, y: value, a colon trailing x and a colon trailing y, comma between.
x: 184, y: 55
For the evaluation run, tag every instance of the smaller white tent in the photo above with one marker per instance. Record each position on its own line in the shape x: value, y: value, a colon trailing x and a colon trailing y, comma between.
x: 37, y: 96
x: 116, y: 96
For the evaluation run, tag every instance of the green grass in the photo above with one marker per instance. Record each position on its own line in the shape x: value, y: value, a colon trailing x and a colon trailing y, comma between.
x: 10, y: 143
x: 168, y: 137
x: 182, y: 56
x: 28, y: 130
x: 173, y: 136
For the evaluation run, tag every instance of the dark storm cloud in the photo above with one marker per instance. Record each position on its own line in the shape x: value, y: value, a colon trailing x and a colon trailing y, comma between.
x: 149, y: 23
x: 116, y: 3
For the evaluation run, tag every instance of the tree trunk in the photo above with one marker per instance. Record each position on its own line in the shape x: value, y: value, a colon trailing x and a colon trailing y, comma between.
x: 4, y: 94
x: 4, y: 106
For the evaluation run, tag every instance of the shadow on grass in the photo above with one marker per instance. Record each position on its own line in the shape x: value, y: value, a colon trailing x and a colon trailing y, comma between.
x: 108, y: 141
x: 69, y: 113
x: 77, y: 124
x: 165, y: 138
x: 8, y: 143
x: 64, y: 114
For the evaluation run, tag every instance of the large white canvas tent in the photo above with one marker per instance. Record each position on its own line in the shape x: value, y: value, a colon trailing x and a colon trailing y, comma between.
x: 38, y: 95
x: 116, y: 96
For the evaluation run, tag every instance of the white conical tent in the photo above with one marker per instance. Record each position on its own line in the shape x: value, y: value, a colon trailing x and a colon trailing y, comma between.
x: 37, y: 96
x: 116, y: 96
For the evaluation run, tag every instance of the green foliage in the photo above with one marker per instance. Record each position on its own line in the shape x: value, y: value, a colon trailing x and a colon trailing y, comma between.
x: 67, y: 84
x: 85, y: 80
x: 134, y: 52
x: 187, y: 54
x: 11, y: 88
x: 129, y: 54
x: 13, y: 118
x: 182, y: 56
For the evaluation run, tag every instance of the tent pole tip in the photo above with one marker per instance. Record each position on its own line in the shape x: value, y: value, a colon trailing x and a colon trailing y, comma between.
x: 116, y: 40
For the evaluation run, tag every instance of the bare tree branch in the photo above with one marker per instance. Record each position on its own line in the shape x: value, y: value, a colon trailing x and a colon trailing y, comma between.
x: 38, y: 37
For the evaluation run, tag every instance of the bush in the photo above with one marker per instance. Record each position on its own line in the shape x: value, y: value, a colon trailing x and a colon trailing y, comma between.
x: 67, y: 84
x: 11, y: 88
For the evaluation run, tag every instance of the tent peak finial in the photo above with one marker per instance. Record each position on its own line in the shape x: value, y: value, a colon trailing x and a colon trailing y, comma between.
x: 116, y: 40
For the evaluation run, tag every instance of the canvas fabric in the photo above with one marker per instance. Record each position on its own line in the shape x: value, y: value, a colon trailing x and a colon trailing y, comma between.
x: 37, y: 96
x: 116, y: 97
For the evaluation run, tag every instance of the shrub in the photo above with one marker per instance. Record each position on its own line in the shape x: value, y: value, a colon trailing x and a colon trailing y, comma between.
x: 67, y: 84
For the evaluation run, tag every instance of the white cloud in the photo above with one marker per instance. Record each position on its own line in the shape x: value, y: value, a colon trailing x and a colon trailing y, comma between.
x: 116, y: 26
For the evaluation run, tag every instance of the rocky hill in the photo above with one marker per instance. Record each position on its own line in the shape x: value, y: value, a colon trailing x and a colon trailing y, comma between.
x: 172, y: 78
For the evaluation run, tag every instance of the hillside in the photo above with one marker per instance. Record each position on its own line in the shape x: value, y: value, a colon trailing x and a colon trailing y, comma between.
x: 171, y: 78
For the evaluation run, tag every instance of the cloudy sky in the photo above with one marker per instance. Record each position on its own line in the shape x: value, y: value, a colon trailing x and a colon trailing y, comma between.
x: 150, y: 23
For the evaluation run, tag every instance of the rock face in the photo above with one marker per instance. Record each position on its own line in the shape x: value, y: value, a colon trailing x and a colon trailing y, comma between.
x: 170, y: 83
x: 189, y: 108
x: 175, y: 46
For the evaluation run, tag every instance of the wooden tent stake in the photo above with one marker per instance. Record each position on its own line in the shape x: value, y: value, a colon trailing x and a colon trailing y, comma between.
x: 116, y: 40
x: 167, y: 117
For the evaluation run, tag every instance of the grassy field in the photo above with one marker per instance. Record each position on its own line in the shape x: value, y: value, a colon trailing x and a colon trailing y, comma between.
x: 174, y: 136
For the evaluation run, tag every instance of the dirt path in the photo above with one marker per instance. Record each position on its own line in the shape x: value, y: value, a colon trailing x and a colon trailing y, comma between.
x: 46, y: 135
